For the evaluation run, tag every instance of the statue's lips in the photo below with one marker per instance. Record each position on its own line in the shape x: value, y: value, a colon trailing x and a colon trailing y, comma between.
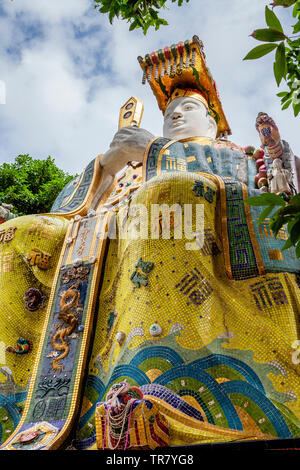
x: 177, y: 123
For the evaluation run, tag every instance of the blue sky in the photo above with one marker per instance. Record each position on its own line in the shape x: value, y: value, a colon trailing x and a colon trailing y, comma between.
x: 67, y: 72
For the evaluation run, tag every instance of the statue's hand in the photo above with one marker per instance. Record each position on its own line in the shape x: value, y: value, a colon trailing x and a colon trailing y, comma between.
x: 269, y: 136
x: 267, y: 129
x: 128, y: 145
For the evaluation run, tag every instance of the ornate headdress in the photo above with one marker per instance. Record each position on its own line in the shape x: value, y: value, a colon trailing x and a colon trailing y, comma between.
x: 181, y: 70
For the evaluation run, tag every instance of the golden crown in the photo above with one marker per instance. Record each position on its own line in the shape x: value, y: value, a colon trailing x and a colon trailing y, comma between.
x: 181, y: 70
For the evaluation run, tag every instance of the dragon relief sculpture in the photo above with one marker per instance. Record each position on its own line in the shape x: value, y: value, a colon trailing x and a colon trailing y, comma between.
x: 68, y: 305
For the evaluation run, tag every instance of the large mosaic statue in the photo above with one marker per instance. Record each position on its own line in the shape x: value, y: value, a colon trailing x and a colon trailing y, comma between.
x: 149, y: 308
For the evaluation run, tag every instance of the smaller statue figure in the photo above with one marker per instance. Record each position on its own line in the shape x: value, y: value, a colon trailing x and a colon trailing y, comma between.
x: 128, y: 419
x: 284, y: 175
x: 269, y: 134
x: 280, y: 180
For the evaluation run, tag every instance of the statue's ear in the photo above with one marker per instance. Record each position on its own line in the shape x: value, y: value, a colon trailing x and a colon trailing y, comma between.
x: 212, y: 126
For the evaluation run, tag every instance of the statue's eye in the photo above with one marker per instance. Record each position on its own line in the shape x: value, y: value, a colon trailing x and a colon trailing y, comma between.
x: 188, y: 107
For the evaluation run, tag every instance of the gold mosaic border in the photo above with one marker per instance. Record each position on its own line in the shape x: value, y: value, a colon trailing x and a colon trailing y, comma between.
x: 74, y: 406
x: 41, y: 343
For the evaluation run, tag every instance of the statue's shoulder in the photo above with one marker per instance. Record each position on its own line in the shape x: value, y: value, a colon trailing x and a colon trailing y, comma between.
x: 218, y: 143
x: 222, y: 143
x: 77, y: 194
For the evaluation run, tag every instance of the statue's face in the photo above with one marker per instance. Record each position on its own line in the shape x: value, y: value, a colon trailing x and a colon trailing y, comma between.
x: 187, y: 117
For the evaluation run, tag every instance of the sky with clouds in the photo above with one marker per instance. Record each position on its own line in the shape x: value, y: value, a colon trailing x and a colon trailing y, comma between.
x: 67, y: 72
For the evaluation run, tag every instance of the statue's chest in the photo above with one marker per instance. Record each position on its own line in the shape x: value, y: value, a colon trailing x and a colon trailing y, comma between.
x: 166, y: 156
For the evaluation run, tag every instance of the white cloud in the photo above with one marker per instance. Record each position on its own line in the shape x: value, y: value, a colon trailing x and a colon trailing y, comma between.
x: 45, y: 11
x: 66, y: 81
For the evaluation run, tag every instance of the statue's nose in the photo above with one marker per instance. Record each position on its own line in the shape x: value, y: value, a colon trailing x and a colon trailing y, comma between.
x: 176, y: 115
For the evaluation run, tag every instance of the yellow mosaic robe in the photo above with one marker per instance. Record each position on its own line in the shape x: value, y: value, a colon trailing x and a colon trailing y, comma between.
x: 215, y: 331
x: 226, y: 348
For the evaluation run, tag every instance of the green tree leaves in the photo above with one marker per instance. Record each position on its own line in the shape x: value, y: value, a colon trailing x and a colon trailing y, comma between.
x: 272, y: 20
x: 139, y: 13
x: 287, y: 53
x: 283, y: 3
x: 268, y: 35
x: 280, y: 63
x: 266, y: 199
x: 31, y: 185
x: 260, y: 51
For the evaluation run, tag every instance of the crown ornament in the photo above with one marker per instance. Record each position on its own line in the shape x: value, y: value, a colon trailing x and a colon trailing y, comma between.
x: 181, y: 70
